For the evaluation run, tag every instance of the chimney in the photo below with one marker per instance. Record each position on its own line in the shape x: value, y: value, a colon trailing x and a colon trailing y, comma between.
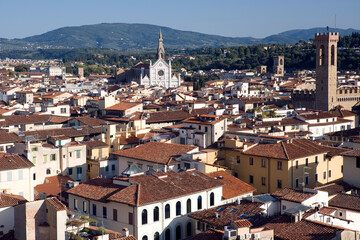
x: 125, y: 232
x: 217, y: 215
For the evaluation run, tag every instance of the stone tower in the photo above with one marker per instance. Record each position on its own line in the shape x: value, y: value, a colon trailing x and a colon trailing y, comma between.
x: 326, y: 70
x: 160, y: 50
x: 279, y: 66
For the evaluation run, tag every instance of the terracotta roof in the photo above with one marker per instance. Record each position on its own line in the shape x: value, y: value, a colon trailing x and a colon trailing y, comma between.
x: 122, y: 106
x: 98, y: 189
x: 53, y: 186
x: 346, y: 201
x: 242, y: 223
x: 7, y: 200
x: 232, y: 186
x: 292, y: 195
x: 284, y: 229
x: 9, y: 161
x: 167, y: 116
x: 59, y: 206
x: 146, y: 188
x: 296, y: 148
x: 6, y: 137
x: 352, y: 153
x: 25, y: 119
x: 210, y: 234
x: 92, y: 122
x: 156, y: 152
x: 223, y: 215
x: 336, y: 187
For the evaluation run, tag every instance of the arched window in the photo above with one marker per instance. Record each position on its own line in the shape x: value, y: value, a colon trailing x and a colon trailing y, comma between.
x: 178, y: 208
x: 145, y: 238
x: 188, y: 206
x: 167, y: 234
x: 188, y: 229
x: 178, y: 232
x: 144, y: 216
x: 281, y: 61
x: 332, y: 55
x: 322, y: 55
x: 199, y: 202
x: 157, y: 236
x: 156, y: 214
x: 167, y: 211
x: 212, y: 199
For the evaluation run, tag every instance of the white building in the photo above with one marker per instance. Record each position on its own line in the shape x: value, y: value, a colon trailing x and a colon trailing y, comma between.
x: 203, y: 130
x: 153, y: 206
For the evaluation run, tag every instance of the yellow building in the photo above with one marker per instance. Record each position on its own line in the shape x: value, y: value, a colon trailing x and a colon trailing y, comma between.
x: 294, y: 163
x: 96, y: 151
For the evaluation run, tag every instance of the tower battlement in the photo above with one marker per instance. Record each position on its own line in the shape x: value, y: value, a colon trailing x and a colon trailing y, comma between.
x: 327, y: 36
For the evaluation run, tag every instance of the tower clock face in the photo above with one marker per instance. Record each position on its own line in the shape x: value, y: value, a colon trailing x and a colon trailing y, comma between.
x: 161, y: 73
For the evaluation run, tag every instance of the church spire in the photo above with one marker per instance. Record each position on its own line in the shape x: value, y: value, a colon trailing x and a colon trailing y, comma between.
x: 160, y: 51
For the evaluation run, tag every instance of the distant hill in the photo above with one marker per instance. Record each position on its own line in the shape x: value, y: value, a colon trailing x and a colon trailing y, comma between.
x: 123, y: 36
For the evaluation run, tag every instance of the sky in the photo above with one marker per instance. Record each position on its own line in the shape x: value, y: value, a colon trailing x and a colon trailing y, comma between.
x: 233, y: 18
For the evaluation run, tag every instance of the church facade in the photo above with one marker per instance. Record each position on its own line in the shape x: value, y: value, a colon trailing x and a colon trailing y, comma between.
x: 158, y: 73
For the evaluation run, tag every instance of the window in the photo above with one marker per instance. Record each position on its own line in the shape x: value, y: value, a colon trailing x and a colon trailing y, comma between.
x: 188, y: 229
x: 316, y: 159
x: 113, y: 167
x: 9, y: 176
x: 251, y: 161
x: 167, y: 211
x: 324, y: 175
x: 188, y: 206
x: 199, y: 202
x: 144, y: 217
x: 178, y: 208
x: 199, y: 127
x: 63, y: 110
x: 75, y: 204
x: 357, y: 162
x: 104, y: 212
x: 53, y: 157
x: 48, y: 171
x: 84, y: 206
x: 115, y: 214
x: 107, y: 168
x: 34, y: 149
x: 130, y: 218
x: 167, y: 234
x: 237, y: 159
x: 263, y: 163
x: 206, y: 129
x: 212, y: 199
x: 21, y: 175
x: 283, y: 207
x: 296, y: 164
x: 251, y: 179
x: 316, y: 177
x: 34, y: 176
x: 329, y: 174
x: 156, y: 236
x: 34, y: 159
x: 70, y: 171
x: 144, y: 238
x: 263, y: 181
x: 279, y: 183
x: 279, y: 165
x: 70, y: 154
x: 297, y: 183
x: 45, y: 158
x: 94, y: 209
x: 78, y: 153
x: 306, y: 180
x: 306, y: 162
x: 178, y: 233
x: 156, y: 214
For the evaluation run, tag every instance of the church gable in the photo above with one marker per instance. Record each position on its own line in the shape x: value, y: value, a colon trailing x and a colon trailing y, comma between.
x: 160, y: 63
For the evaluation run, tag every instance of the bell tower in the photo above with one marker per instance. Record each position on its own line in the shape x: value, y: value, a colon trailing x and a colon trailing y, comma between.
x: 326, y: 70
x: 160, y: 50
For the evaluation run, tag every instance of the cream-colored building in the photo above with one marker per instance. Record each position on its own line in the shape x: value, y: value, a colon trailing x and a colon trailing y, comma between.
x: 16, y: 175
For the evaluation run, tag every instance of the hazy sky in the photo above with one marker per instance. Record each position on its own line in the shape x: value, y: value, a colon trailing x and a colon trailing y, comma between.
x: 236, y: 18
